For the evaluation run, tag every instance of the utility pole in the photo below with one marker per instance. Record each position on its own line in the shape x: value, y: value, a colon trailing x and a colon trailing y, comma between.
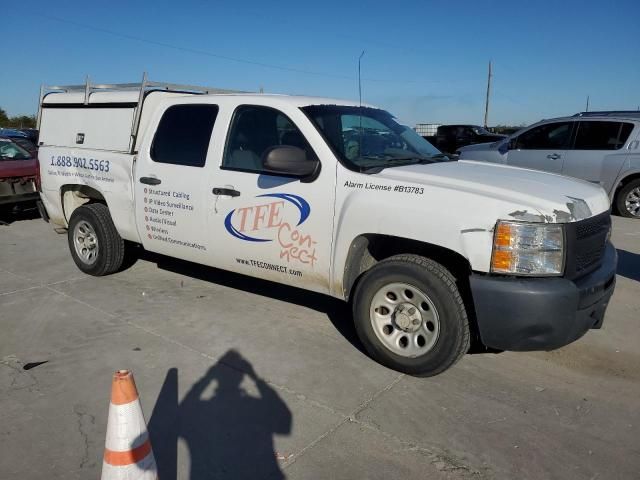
x: 486, y: 105
x: 587, y: 109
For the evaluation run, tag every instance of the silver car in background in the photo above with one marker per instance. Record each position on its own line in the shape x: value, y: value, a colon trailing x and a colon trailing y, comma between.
x: 599, y: 147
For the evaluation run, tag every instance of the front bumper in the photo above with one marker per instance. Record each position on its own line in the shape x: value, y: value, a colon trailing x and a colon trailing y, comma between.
x: 516, y: 313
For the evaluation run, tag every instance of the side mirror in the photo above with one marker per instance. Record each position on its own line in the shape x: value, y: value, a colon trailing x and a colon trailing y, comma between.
x: 289, y: 161
x: 507, y: 145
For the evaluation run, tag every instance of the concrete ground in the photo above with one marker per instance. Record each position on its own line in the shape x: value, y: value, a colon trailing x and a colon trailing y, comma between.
x: 240, y: 378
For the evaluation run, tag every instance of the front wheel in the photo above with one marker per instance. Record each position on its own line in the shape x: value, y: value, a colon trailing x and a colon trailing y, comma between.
x: 96, y: 246
x: 628, y: 199
x: 410, y: 316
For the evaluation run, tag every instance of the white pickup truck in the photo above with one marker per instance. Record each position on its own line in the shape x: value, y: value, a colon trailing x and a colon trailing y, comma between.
x: 332, y: 197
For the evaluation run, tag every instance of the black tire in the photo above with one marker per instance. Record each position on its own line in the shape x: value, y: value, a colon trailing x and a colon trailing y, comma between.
x: 622, y: 196
x: 110, y: 251
x: 437, y: 282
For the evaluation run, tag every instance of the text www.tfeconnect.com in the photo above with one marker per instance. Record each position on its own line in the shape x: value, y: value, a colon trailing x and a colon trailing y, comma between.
x: 269, y: 266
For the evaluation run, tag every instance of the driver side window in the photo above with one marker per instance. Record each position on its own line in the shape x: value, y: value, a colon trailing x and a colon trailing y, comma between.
x: 549, y: 136
x: 256, y: 129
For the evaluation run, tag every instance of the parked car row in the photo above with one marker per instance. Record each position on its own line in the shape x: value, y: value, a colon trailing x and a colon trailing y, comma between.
x: 449, y: 138
x: 599, y: 147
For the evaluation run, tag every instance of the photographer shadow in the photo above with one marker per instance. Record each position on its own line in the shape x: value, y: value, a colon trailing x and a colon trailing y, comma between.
x: 629, y: 265
x: 228, y: 434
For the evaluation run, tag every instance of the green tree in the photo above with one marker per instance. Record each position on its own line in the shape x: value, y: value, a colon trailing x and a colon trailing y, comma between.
x: 4, y: 119
x: 19, y: 121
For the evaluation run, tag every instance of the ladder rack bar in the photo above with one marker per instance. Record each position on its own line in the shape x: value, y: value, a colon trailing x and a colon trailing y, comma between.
x: 87, y: 91
x: 147, y: 84
x: 39, y: 119
x: 144, y: 87
x: 136, y: 119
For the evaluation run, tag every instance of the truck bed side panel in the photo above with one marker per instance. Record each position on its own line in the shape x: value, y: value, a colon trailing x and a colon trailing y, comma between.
x: 91, y: 128
x: 109, y: 173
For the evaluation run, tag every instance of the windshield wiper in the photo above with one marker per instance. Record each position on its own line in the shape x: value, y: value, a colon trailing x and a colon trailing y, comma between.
x: 391, y: 161
x: 422, y: 159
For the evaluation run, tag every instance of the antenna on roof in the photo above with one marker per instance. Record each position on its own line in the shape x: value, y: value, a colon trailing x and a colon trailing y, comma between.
x: 486, y: 103
x: 360, y: 105
x: 359, y: 78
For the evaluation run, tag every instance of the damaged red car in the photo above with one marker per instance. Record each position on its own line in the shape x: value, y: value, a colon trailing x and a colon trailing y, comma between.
x: 18, y: 174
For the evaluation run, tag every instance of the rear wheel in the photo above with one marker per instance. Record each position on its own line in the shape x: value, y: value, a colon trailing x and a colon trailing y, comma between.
x: 628, y: 199
x: 410, y: 316
x: 95, y: 244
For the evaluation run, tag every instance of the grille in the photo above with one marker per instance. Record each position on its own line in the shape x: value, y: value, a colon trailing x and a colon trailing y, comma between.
x: 586, y: 244
x: 588, y: 258
x: 590, y: 227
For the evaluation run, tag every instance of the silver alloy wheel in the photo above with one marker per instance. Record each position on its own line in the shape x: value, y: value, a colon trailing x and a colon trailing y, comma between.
x: 632, y: 202
x: 85, y: 242
x: 404, y: 319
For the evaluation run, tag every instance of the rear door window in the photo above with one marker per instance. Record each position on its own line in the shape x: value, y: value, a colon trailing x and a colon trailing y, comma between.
x: 183, y: 135
x: 602, y: 135
x: 549, y: 136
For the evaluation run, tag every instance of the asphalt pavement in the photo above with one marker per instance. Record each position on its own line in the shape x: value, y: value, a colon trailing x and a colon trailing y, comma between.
x: 241, y: 378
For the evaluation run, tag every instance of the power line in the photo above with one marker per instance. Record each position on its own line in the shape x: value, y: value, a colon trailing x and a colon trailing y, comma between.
x: 217, y: 55
x: 188, y: 49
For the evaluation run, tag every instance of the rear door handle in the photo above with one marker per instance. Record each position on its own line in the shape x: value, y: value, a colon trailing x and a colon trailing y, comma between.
x: 229, y: 192
x: 554, y: 156
x: 150, y: 180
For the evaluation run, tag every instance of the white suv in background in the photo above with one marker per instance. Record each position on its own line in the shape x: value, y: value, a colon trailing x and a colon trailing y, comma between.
x: 600, y: 147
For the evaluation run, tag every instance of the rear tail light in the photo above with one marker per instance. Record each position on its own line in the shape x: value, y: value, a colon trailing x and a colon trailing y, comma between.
x: 38, y: 177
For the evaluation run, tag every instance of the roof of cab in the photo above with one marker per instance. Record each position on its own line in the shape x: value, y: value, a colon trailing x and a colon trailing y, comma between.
x: 131, y: 97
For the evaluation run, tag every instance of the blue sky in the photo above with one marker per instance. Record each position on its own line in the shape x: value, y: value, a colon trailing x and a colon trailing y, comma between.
x: 425, y: 61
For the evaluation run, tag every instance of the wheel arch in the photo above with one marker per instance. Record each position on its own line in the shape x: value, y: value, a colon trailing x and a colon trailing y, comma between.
x: 629, y: 177
x: 73, y: 196
x: 366, y: 250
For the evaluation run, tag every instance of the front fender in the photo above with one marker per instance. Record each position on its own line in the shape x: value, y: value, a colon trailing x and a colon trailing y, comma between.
x: 441, y: 219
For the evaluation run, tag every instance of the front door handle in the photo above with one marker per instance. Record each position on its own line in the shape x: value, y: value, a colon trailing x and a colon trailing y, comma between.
x: 229, y: 192
x: 554, y: 156
x: 150, y: 180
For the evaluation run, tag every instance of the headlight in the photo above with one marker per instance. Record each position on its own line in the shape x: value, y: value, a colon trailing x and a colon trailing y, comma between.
x: 528, y: 249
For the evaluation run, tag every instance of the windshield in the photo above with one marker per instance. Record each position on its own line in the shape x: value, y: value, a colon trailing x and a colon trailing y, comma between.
x: 11, y: 151
x: 370, y: 139
x: 480, y: 131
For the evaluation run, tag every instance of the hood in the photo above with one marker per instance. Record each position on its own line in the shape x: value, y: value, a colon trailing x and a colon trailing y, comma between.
x: 481, y: 146
x: 536, y: 196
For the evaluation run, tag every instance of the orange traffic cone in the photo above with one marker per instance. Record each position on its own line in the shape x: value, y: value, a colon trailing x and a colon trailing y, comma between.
x: 127, y: 452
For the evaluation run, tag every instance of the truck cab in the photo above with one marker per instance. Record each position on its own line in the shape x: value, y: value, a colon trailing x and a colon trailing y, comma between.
x: 333, y: 197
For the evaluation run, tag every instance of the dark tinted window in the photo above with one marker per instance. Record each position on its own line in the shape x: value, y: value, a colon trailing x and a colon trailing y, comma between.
x: 183, y: 135
x: 12, y: 151
x: 545, y: 137
x: 602, y: 135
x: 26, y: 144
x: 255, y: 129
